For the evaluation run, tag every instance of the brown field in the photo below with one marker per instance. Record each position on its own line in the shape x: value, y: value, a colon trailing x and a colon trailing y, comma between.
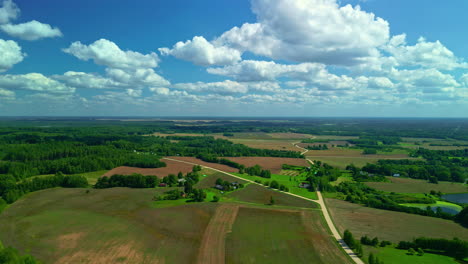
x: 253, y: 193
x: 203, y: 163
x: 172, y: 167
x: 275, y: 144
x: 269, y: 163
x: 405, y: 185
x: 213, y: 246
x: 390, y: 225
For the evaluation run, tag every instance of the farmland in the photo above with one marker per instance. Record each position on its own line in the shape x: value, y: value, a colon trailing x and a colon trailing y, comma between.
x: 389, y: 225
x: 406, y: 185
x: 269, y: 163
x: 253, y: 193
x: 103, y: 226
x: 280, y: 238
x: 172, y: 167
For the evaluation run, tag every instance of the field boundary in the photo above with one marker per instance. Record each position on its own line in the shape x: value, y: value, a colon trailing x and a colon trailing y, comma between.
x: 213, y: 246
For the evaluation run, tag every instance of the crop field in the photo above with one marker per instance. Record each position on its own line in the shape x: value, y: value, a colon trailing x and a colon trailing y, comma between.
x: 114, y: 225
x: 276, y: 144
x: 269, y: 163
x: 393, y: 255
x: 172, y: 167
x: 203, y: 163
x: 390, y: 225
x: 253, y: 193
x: 274, y: 236
x: 341, y: 157
x: 406, y: 185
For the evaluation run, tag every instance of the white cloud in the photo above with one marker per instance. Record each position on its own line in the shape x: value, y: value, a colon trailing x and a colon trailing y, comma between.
x: 6, y: 94
x: 33, y: 82
x: 225, y: 87
x: 137, y: 77
x: 9, y: 11
x: 423, y: 53
x: 425, y: 80
x: 201, y: 52
x: 309, y: 31
x: 10, y: 54
x: 87, y: 80
x: 105, y: 52
x: 32, y: 30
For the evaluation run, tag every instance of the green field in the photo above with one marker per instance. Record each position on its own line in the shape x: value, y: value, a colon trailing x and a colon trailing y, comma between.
x: 452, y: 206
x: 254, y: 193
x: 280, y: 238
x: 391, y: 255
x: 292, y: 182
x: 406, y: 185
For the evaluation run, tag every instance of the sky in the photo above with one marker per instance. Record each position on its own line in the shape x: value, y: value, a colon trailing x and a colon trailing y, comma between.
x: 372, y: 58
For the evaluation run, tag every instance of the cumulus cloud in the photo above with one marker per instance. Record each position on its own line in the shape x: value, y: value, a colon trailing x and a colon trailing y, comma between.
x: 33, y: 82
x: 425, y: 80
x: 6, y: 94
x: 225, y: 87
x: 32, y: 30
x: 9, y: 11
x: 87, y: 80
x: 309, y: 31
x: 201, y: 52
x: 423, y: 53
x: 107, y: 53
x: 10, y: 54
x: 137, y: 77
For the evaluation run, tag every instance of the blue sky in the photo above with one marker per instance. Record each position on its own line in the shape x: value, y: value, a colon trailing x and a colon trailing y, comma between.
x: 234, y: 58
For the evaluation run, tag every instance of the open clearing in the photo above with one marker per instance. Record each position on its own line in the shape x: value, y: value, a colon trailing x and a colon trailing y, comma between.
x: 392, y: 255
x: 406, y: 185
x: 389, y: 225
x: 114, y: 225
x: 269, y: 163
x: 172, y: 167
x: 274, y: 236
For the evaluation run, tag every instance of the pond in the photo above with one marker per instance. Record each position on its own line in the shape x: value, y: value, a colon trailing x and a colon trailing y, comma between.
x: 456, y: 198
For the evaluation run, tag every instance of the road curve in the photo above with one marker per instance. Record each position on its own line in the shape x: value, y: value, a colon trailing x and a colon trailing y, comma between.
x: 320, y: 201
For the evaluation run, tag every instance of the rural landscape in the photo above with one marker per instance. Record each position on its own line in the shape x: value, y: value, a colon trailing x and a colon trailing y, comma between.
x: 211, y: 191
x: 233, y: 132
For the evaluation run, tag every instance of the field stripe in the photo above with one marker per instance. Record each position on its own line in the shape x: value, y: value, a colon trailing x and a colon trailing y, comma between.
x: 213, y: 246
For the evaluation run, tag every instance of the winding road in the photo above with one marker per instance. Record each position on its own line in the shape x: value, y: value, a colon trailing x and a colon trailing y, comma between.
x: 320, y: 201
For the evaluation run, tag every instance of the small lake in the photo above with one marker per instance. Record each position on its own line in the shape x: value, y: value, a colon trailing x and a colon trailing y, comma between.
x: 456, y: 198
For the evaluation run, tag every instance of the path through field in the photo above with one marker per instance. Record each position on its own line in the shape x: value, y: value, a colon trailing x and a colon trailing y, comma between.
x: 213, y: 245
x: 320, y: 201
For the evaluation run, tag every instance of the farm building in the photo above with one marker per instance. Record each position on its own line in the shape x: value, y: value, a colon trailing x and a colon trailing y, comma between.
x: 304, y: 185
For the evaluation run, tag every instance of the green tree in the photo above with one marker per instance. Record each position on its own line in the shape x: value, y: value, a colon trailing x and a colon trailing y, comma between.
x: 371, y: 258
x: 411, y: 251
x: 420, y: 252
x: 215, y: 199
x: 272, y: 201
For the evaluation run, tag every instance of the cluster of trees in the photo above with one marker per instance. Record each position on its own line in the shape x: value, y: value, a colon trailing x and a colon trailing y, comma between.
x: 10, y: 190
x: 214, y: 159
x: 9, y: 255
x: 195, y: 195
x: 257, y: 171
x: 461, y: 217
x: 362, y: 194
x: 321, y: 175
x: 455, y: 248
x: 318, y: 147
x: 228, y: 186
x: 354, y: 244
x: 365, y: 240
x: 275, y: 185
x: 132, y: 181
x: 438, y: 166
